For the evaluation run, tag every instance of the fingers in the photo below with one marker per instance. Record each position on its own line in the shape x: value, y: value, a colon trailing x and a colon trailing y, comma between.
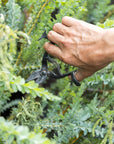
x: 53, y: 50
x: 68, y: 21
x: 55, y: 37
x: 80, y: 74
x: 60, y: 28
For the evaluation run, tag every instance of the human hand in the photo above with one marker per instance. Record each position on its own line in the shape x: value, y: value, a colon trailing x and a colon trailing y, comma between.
x: 79, y: 44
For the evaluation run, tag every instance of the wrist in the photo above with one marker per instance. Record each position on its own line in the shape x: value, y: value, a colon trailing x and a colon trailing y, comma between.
x: 108, y: 39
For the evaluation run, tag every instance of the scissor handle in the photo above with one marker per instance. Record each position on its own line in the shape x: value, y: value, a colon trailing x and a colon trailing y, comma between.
x: 77, y: 83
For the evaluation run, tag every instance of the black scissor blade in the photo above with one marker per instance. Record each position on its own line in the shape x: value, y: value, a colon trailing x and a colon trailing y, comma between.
x: 44, y: 35
x: 34, y: 75
x: 41, y: 79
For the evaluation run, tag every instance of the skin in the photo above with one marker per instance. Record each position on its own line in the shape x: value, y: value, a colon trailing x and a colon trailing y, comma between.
x: 82, y: 45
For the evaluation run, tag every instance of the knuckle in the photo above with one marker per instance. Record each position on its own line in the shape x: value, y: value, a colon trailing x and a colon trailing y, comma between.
x: 70, y: 32
x: 46, y: 45
x: 49, y: 49
x: 50, y: 33
x: 67, y: 43
x: 66, y: 31
x: 55, y: 25
x: 64, y: 58
x: 62, y: 41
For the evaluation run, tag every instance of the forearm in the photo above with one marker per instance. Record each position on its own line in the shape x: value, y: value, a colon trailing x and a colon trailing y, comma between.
x: 108, y: 39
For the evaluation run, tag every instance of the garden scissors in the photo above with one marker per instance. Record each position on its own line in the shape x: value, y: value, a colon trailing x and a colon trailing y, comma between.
x: 39, y: 76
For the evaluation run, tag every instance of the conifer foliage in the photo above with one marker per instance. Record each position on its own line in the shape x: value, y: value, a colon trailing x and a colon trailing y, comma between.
x: 56, y: 112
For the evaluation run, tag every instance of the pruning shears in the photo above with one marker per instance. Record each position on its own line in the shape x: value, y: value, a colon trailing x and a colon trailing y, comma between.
x: 39, y: 76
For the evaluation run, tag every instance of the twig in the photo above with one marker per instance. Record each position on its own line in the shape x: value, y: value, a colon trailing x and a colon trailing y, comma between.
x: 37, y: 17
x: 75, y: 139
x: 66, y: 110
x: 108, y: 15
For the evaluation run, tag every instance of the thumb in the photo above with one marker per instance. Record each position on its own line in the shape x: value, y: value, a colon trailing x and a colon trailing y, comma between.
x: 81, y: 74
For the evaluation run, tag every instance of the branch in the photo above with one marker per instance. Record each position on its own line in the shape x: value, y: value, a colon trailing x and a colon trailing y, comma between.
x: 75, y: 139
x: 110, y: 13
x: 37, y: 17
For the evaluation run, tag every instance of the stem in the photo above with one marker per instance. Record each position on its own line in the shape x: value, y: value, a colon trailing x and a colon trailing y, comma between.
x: 107, y: 16
x: 75, y: 139
x: 19, y: 57
x: 37, y: 17
x: 21, y: 69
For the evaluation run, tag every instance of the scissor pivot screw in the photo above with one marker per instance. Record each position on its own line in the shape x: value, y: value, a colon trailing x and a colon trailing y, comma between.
x: 44, y: 73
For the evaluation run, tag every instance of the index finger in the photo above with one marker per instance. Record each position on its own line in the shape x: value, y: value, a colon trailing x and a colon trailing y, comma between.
x: 68, y: 21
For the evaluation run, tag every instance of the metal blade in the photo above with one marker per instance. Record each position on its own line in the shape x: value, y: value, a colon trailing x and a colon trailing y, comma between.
x: 34, y: 75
